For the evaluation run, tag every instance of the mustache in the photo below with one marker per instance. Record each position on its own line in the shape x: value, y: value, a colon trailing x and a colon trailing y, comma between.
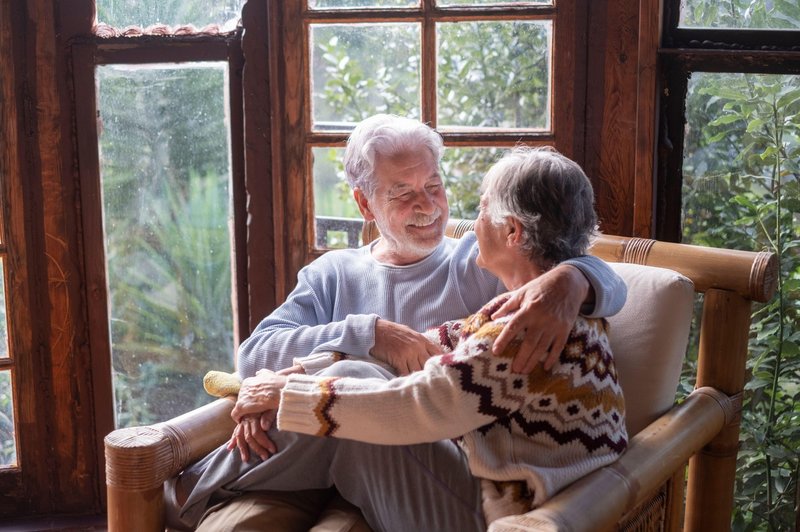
x: 425, y: 219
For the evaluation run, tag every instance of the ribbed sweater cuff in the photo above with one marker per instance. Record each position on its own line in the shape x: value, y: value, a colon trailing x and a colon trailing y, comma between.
x: 300, y: 399
x: 313, y: 364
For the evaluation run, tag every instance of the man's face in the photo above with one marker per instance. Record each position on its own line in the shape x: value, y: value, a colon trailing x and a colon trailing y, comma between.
x: 409, y: 206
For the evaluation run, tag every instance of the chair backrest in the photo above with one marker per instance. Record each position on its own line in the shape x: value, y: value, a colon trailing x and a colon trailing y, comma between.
x: 648, y: 336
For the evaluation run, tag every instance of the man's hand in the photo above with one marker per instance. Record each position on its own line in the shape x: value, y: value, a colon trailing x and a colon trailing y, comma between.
x: 401, y: 347
x: 548, y: 307
x: 250, y: 434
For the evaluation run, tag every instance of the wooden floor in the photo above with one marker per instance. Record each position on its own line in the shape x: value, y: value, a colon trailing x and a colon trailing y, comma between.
x: 72, y: 524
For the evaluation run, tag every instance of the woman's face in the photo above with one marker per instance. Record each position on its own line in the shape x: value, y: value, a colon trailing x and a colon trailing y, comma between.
x: 493, y: 253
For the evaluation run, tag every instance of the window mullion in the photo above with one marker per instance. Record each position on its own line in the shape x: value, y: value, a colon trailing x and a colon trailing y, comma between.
x: 429, y: 66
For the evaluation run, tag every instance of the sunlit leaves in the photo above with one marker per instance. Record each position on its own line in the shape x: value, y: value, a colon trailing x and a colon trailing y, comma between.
x: 741, y: 191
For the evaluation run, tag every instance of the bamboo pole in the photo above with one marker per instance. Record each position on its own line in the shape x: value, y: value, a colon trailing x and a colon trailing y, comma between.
x: 712, y: 471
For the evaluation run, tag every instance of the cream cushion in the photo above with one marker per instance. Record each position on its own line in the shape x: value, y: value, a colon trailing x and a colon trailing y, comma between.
x: 649, y: 338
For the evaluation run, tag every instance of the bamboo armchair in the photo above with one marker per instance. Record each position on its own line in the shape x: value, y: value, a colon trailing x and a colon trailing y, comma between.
x: 643, y: 490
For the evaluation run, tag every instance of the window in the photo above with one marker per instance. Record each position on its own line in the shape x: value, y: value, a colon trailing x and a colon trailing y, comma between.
x: 161, y: 182
x: 165, y: 173
x: 732, y: 114
x: 8, y: 433
x: 485, y: 74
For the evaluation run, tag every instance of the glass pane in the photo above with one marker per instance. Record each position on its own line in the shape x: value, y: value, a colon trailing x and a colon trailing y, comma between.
x: 345, y: 4
x: 165, y: 171
x: 362, y: 69
x: 121, y: 13
x: 8, y: 437
x: 741, y: 155
x: 492, y: 2
x: 738, y: 14
x: 338, y: 221
x: 3, y: 318
x: 494, y: 74
x: 463, y: 170
x: 741, y: 190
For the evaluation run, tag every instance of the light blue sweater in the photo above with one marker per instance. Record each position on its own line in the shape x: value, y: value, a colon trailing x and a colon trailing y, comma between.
x: 340, y: 295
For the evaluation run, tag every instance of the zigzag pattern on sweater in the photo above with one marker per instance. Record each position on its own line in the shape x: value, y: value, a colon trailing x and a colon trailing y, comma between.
x: 327, y: 424
x: 579, y: 400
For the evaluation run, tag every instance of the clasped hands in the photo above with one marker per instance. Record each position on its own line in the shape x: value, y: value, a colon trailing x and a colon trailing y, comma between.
x: 255, y: 412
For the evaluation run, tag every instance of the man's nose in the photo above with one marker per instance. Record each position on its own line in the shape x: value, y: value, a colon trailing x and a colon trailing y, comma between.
x: 425, y: 203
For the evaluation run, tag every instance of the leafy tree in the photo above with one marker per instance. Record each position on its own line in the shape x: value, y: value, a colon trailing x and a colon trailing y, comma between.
x: 494, y: 74
x: 122, y: 13
x: 742, y: 191
x: 164, y: 165
x: 776, y: 14
x: 8, y: 449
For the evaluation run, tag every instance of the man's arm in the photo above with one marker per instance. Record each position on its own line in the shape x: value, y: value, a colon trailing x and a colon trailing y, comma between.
x: 548, y: 306
x: 302, y: 325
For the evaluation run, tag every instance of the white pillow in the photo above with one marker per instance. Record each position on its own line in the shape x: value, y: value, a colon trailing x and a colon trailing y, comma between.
x: 649, y: 338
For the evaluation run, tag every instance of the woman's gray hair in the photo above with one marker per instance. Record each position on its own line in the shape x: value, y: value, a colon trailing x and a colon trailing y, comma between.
x: 551, y: 197
x: 384, y: 135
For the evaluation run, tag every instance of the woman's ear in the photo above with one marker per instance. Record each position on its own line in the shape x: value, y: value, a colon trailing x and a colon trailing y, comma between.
x: 363, y: 204
x: 514, y: 231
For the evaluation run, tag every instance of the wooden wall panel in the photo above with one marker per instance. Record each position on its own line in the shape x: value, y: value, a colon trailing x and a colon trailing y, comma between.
x: 21, y: 202
x: 611, y: 110
x: 59, y: 464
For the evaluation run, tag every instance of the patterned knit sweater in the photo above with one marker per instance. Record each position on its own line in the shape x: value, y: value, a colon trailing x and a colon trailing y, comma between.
x: 546, y: 429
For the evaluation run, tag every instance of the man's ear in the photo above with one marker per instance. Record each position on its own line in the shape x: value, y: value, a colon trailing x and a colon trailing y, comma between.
x: 514, y: 231
x: 363, y: 204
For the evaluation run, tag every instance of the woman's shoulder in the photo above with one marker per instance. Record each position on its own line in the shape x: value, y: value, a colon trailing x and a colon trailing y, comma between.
x: 482, y: 319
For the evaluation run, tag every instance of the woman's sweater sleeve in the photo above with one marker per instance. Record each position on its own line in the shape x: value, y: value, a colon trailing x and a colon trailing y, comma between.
x: 455, y: 393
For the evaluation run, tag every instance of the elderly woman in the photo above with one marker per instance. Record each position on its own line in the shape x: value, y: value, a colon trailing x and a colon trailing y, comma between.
x: 466, y: 440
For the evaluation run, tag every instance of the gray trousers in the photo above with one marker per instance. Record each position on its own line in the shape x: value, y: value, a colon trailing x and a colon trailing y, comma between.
x: 398, y: 488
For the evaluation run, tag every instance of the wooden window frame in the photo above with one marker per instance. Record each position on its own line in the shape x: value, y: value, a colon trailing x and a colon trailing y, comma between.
x: 86, y: 56
x: 292, y: 161
x: 688, y: 50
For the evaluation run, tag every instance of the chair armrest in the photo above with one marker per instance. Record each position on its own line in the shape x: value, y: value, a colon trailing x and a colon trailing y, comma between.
x: 140, y: 459
x: 650, y: 460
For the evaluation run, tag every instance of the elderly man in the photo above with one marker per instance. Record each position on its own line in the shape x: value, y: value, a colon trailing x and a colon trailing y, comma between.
x: 369, y: 302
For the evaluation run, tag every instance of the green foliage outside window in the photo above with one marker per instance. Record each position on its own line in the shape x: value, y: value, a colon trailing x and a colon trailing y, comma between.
x: 504, y: 83
x: 741, y: 14
x: 8, y: 448
x: 742, y: 191
x: 165, y: 172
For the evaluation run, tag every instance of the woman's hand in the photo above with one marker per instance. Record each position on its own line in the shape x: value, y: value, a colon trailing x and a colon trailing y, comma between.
x: 547, y: 309
x: 250, y: 434
x: 255, y: 412
x: 259, y: 394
